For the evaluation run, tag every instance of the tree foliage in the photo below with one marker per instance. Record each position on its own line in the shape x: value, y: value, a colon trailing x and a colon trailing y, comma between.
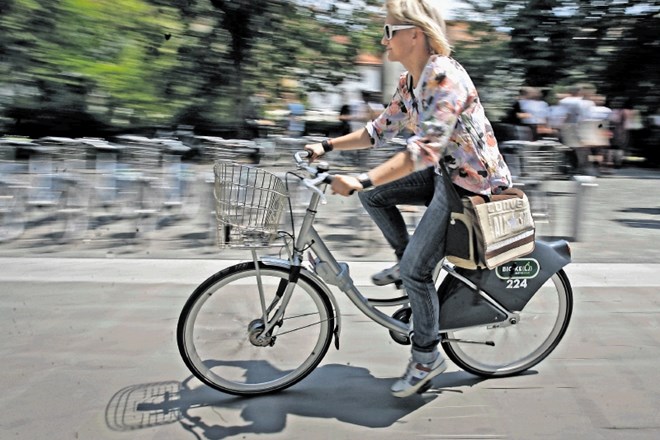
x: 611, y: 44
x: 85, y: 66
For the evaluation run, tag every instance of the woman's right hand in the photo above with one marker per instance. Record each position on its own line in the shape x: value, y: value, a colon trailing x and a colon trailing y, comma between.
x: 315, y: 151
x: 345, y: 185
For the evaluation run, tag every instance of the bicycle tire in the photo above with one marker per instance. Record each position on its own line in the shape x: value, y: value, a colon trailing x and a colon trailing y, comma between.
x: 213, y: 331
x: 518, y: 347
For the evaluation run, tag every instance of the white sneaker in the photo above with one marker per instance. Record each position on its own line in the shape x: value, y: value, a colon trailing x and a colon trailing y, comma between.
x: 416, y: 376
x: 387, y: 276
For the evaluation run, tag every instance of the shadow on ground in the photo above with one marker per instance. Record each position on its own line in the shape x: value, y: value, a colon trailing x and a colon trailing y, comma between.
x: 345, y: 393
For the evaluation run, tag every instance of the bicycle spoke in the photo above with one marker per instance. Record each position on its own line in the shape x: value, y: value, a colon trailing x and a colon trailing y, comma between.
x: 517, y: 347
x: 301, y: 328
x: 221, y: 332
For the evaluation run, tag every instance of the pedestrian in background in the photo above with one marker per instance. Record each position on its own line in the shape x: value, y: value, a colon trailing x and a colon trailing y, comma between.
x: 295, y: 119
x: 595, y: 133
x: 531, y: 111
x: 356, y: 115
x: 632, y: 125
x: 575, y: 107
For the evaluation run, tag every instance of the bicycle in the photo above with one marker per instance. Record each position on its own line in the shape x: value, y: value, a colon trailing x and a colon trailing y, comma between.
x: 263, y: 325
x: 12, y: 193
x: 45, y: 193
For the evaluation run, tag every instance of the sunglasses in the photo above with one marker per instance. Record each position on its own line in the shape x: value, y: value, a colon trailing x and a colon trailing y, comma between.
x: 389, y: 29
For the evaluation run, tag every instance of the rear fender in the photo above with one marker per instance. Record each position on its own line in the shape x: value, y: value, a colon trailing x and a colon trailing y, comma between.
x: 512, y: 285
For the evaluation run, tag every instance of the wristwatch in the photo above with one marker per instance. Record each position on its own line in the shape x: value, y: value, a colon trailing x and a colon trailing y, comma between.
x: 327, y: 145
x: 365, y: 181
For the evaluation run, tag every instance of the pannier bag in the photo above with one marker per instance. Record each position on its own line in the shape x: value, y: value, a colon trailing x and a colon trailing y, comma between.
x: 488, y: 231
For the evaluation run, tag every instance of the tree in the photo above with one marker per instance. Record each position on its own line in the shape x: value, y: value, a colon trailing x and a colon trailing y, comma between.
x: 73, y: 66
x: 236, y: 48
x: 126, y: 63
x: 563, y: 41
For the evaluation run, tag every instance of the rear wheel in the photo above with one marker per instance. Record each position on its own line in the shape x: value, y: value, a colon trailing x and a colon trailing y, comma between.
x: 518, y: 347
x: 221, y: 331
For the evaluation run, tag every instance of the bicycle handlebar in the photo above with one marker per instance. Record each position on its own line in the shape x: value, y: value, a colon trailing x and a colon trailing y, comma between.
x: 300, y: 156
x: 315, y: 171
x: 319, y: 176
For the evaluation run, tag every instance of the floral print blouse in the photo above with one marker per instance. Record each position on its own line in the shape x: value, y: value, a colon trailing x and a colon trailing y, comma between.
x: 448, y: 121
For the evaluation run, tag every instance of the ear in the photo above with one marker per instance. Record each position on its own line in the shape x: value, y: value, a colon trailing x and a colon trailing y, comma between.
x: 419, y: 37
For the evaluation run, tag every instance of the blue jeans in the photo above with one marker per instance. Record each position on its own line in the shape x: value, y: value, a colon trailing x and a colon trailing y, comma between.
x: 418, y: 254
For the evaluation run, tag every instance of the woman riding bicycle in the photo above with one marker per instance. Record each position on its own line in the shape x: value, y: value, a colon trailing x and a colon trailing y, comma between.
x: 437, y: 101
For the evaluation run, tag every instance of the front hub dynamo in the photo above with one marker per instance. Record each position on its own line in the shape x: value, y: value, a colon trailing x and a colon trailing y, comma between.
x: 255, y: 330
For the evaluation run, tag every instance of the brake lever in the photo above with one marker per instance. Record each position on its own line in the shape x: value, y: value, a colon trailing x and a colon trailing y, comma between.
x: 313, y: 185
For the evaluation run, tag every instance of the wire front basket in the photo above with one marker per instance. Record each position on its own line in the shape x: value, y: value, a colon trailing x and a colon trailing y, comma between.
x: 249, y: 203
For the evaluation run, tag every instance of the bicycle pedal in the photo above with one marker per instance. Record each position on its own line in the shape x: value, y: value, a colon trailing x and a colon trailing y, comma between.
x: 424, y: 388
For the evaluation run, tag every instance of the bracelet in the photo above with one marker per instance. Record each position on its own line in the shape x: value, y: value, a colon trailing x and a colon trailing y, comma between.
x: 327, y: 145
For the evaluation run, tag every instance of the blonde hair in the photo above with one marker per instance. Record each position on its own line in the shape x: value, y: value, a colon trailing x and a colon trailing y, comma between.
x: 426, y: 15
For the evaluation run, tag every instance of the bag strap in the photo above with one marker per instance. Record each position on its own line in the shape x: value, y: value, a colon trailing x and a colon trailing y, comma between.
x: 470, y: 129
x: 455, y: 203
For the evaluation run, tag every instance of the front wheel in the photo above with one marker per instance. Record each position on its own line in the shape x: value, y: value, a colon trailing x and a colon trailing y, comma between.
x: 506, y: 351
x: 221, y: 337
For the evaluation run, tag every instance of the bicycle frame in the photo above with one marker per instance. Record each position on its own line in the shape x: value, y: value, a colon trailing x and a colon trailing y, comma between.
x: 329, y: 271
x: 497, y: 308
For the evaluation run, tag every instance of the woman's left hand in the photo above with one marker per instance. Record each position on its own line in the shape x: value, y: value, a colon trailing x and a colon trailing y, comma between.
x: 315, y: 151
x: 345, y: 185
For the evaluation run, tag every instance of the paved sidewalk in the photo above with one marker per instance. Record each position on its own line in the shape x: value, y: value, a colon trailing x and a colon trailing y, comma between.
x: 89, y: 347
x: 89, y: 353
x: 193, y: 272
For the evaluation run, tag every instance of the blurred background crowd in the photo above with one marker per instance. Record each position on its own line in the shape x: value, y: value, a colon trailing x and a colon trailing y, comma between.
x: 112, y: 88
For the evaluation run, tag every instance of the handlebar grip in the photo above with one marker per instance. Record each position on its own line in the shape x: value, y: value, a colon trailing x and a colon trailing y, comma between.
x: 329, y: 178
